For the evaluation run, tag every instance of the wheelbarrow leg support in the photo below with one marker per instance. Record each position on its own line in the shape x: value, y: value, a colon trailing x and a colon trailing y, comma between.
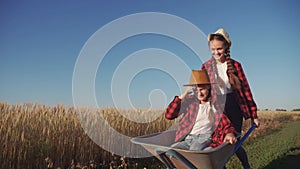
x: 182, y: 159
x: 167, y: 161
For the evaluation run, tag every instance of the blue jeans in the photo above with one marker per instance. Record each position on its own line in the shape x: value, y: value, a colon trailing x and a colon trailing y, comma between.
x: 194, y: 142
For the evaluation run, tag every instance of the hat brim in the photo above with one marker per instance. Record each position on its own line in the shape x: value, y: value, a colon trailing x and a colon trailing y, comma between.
x: 199, y: 84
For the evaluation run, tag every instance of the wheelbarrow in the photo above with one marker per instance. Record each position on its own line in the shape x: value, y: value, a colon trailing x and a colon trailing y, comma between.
x: 158, y: 144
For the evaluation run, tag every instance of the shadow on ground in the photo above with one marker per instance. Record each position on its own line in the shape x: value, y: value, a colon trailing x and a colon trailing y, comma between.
x: 291, y: 161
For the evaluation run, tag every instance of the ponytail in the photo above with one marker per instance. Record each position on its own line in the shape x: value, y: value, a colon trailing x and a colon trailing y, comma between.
x: 233, y: 79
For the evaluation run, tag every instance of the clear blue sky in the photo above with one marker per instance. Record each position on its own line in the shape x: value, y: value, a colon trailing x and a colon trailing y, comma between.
x: 40, y: 42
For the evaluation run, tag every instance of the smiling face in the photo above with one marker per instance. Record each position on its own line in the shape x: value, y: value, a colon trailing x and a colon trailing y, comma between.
x: 217, y: 49
x: 202, y: 93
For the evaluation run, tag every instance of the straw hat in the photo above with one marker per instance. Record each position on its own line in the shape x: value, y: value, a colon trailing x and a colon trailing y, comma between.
x: 198, y: 77
x: 223, y: 33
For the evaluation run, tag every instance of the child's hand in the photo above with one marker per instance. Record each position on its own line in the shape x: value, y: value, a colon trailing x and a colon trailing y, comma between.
x: 230, y: 138
x: 185, y: 92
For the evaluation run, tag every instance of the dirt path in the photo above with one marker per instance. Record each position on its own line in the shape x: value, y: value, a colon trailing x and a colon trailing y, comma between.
x: 292, y: 161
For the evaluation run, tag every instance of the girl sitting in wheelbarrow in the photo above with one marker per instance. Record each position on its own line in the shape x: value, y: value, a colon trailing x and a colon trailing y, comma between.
x: 202, y: 125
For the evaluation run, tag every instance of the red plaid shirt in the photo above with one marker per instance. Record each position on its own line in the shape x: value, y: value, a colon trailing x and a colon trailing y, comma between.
x: 189, y: 107
x: 245, y: 98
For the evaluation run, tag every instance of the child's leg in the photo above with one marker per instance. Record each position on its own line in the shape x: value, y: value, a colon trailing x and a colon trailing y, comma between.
x: 182, y: 144
x: 200, y: 145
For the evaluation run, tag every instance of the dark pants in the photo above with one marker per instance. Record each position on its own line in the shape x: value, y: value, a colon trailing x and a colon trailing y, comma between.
x: 234, y: 113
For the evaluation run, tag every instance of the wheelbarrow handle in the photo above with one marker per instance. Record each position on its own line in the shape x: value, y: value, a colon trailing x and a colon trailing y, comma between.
x: 239, y: 144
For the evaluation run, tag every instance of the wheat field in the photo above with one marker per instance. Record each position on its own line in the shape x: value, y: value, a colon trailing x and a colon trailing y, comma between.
x: 39, y: 136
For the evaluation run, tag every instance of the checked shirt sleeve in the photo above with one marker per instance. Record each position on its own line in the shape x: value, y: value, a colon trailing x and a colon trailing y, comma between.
x: 249, y: 102
x: 224, y: 127
x: 173, y: 109
x: 227, y: 126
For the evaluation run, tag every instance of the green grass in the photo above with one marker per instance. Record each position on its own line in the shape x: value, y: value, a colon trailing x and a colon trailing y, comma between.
x: 274, y: 150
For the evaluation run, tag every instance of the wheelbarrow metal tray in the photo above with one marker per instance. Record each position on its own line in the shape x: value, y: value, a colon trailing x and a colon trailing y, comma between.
x: 158, y: 143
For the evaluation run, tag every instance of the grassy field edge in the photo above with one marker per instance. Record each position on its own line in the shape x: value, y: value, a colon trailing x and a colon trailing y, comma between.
x: 270, y: 151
